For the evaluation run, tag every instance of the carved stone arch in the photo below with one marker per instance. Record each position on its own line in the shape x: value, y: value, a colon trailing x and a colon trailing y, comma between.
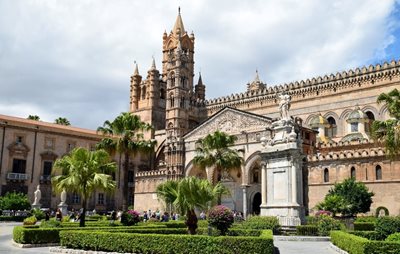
x: 372, y: 109
x: 345, y: 113
x: 339, y: 122
x: 248, y: 165
x: 383, y: 113
x: 308, y: 119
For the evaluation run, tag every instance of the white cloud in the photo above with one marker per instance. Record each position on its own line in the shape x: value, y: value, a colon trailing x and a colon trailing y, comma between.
x: 74, y: 58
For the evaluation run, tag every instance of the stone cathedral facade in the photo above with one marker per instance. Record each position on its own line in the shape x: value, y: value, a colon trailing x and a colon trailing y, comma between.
x: 332, y: 115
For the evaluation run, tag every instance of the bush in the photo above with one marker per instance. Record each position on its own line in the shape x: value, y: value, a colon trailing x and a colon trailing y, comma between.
x: 386, y: 226
x: 364, y: 226
x: 370, y: 235
x: 30, y: 221
x: 12, y: 218
x: 35, y: 236
x: 393, y: 237
x: 261, y: 222
x: 151, y: 243
x: 40, y: 215
x: 308, y: 230
x: 220, y: 217
x: 371, y: 219
x: 50, y: 224
x: 14, y: 201
x: 326, y: 224
x: 129, y: 218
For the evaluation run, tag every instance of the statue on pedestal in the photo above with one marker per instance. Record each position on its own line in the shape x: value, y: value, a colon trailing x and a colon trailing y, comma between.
x: 38, y: 196
x: 284, y: 106
x: 63, y: 197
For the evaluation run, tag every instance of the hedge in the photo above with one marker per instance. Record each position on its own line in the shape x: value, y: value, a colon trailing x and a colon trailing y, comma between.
x: 260, y: 222
x: 364, y: 226
x: 35, y: 235
x: 308, y: 230
x: 12, y: 218
x: 358, y: 245
x: 393, y: 237
x: 231, y: 232
x: 386, y: 226
x: 153, y: 243
x: 370, y: 235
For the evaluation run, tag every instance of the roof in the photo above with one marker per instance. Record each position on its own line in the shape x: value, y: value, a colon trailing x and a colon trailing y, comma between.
x: 178, y: 27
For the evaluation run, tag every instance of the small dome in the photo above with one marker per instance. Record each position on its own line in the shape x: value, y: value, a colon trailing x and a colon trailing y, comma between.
x: 356, y: 114
x: 317, y: 121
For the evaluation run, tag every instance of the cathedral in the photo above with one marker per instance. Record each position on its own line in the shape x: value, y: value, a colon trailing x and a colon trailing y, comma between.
x: 330, y: 119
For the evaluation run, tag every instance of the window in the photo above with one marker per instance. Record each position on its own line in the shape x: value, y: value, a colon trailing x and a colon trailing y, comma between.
x: 182, y: 104
x: 171, y: 100
x: 19, y: 166
x: 378, y: 172
x: 368, y: 124
x: 130, y: 176
x: 19, y: 140
x: 76, y: 199
x: 47, y: 166
x: 331, y: 131
x: 354, y: 127
x: 256, y: 178
x: 100, y: 199
x: 353, y: 172
x: 326, y: 175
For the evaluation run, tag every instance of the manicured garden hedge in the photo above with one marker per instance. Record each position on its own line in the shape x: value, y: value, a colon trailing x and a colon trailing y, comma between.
x: 156, y: 243
x: 358, y: 245
x: 12, y: 218
x: 364, y: 226
x: 387, y: 225
x: 308, y: 230
x: 370, y: 235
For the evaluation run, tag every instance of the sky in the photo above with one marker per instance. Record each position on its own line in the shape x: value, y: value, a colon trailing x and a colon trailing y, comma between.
x: 74, y: 58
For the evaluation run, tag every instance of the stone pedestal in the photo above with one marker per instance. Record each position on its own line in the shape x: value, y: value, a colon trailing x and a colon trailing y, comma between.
x: 282, y: 186
x: 64, y: 208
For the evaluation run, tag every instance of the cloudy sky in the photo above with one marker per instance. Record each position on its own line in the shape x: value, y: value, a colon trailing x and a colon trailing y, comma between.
x: 74, y: 58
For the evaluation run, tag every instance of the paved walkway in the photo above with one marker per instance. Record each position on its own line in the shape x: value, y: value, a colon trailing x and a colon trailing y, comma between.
x: 281, y: 247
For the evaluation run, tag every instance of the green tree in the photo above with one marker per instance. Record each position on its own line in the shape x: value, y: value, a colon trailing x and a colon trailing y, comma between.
x: 14, y: 201
x: 188, y: 194
x: 83, y: 172
x: 348, y: 198
x: 213, y: 151
x: 125, y: 136
x: 33, y: 117
x: 388, y: 132
x: 62, y: 121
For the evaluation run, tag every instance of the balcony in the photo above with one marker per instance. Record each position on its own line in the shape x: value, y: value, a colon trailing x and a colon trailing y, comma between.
x: 17, y: 176
x: 45, y: 178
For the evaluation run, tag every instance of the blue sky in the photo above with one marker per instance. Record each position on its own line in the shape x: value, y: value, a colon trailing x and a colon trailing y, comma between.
x: 74, y: 58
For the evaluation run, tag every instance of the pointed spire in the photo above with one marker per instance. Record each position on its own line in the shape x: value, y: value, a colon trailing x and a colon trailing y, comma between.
x: 257, y: 78
x: 136, y: 73
x: 200, y: 82
x: 153, y: 64
x: 178, y: 27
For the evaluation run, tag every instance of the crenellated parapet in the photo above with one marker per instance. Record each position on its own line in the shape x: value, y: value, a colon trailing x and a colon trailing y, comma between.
x: 316, y: 86
x: 152, y: 173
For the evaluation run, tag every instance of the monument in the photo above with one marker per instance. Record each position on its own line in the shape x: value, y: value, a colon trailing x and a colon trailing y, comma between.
x: 63, y: 206
x: 281, y: 174
x: 37, y: 196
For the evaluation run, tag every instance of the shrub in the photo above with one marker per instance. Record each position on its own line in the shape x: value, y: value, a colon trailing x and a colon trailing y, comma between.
x: 12, y: 218
x: 308, y: 230
x: 393, y: 237
x: 371, y: 219
x: 151, y: 243
x: 35, y: 235
x: 261, y: 222
x: 39, y: 214
x: 202, y: 223
x: 50, y: 224
x: 386, y: 226
x: 220, y: 217
x: 326, y: 223
x: 379, y: 209
x: 129, y: 218
x: 14, y: 201
x: 364, y: 226
x: 370, y: 235
x: 30, y: 221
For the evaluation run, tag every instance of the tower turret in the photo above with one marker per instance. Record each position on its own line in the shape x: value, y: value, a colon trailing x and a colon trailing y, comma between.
x: 136, y: 79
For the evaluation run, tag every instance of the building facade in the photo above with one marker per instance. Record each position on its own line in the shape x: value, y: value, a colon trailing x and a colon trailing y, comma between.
x: 334, y: 111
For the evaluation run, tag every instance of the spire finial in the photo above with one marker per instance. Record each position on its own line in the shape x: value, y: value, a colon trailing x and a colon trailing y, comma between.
x: 179, y: 10
x: 136, y: 68
x: 153, y: 64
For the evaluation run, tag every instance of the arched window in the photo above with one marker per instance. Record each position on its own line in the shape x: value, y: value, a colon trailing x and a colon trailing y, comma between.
x: 368, y: 124
x: 353, y: 172
x: 331, y: 131
x: 182, y: 104
x: 326, y: 175
x: 143, y: 93
x: 171, y: 100
x: 378, y: 172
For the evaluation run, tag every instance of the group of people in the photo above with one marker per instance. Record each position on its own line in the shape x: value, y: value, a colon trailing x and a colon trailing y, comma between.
x: 158, y: 216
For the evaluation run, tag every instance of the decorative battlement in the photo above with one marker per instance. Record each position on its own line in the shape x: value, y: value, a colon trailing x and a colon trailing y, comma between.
x: 151, y: 173
x: 311, y: 86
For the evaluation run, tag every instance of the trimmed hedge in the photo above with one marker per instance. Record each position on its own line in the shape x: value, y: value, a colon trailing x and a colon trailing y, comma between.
x: 386, y: 226
x: 370, y: 235
x: 231, y: 232
x: 358, y: 245
x: 364, y: 226
x: 394, y: 237
x: 12, y: 218
x: 152, y: 243
x: 308, y: 230
x: 260, y: 222
x: 35, y: 235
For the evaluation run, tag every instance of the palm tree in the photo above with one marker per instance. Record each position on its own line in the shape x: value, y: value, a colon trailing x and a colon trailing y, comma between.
x: 125, y: 136
x: 33, y: 117
x: 214, y: 151
x: 62, y: 121
x: 188, y: 194
x: 83, y: 172
x: 388, y: 132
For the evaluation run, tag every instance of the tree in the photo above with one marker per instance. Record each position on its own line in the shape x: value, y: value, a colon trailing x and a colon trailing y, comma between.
x: 125, y: 136
x: 188, y: 194
x: 33, y: 117
x: 213, y: 151
x: 62, y: 121
x: 14, y: 201
x: 388, y: 132
x: 83, y: 172
x: 348, y: 198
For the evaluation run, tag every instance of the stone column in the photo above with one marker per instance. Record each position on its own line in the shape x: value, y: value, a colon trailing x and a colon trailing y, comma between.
x: 245, y: 209
x: 263, y: 184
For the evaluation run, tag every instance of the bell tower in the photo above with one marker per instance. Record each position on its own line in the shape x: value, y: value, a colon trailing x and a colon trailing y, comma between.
x: 177, y: 73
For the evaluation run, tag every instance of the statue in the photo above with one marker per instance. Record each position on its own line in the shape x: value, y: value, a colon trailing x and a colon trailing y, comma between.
x: 38, y: 196
x: 63, y: 196
x: 284, y: 106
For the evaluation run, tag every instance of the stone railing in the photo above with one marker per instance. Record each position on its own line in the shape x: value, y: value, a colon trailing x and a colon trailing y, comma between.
x: 17, y: 176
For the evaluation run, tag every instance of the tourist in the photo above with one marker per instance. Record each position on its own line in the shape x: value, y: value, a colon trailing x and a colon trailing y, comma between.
x: 145, y: 216
x: 165, y: 217
x: 58, y: 215
x: 202, y: 215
